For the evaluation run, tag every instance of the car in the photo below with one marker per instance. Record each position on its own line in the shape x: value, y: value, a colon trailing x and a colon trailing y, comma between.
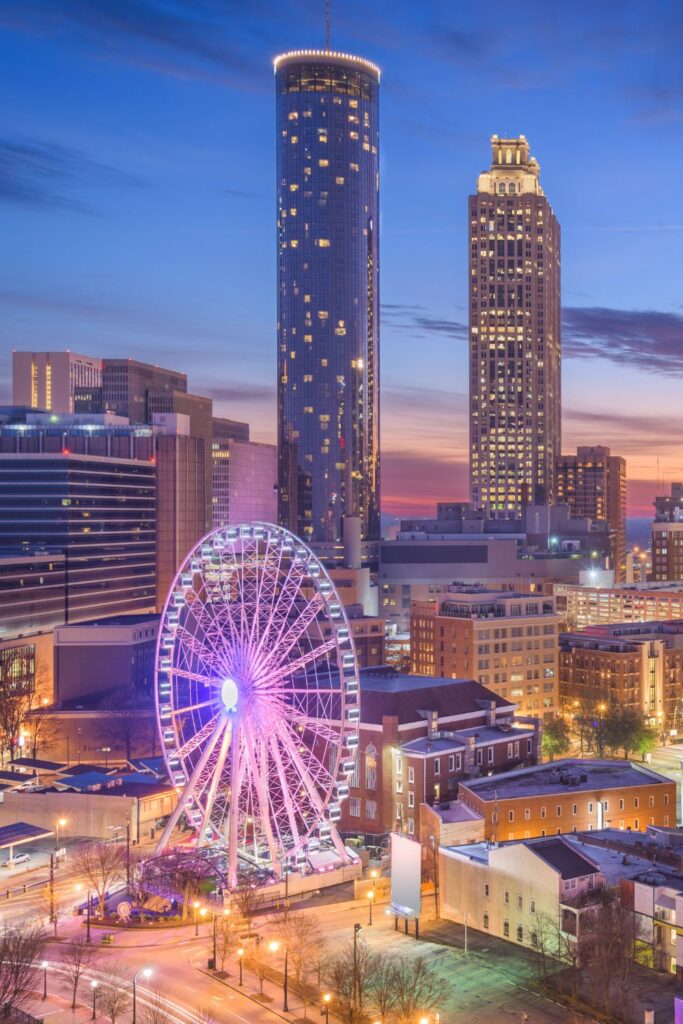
x: 21, y: 858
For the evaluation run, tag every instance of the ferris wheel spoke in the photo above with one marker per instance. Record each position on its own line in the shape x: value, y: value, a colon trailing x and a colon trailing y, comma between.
x: 285, y: 791
x: 236, y: 776
x: 216, y: 778
x: 195, y: 677
x: 260, y: 777
x: 203, y: 735
x: 283, y: 669
x: 304, y: 778
x: 305, y: 619
x: 193, y: 648
x: 287, y: 596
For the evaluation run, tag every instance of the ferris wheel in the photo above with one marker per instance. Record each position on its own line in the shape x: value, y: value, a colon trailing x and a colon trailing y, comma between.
x: 257, y: 699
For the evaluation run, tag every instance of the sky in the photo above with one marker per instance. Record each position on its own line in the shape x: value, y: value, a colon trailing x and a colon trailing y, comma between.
x: 137, y: 203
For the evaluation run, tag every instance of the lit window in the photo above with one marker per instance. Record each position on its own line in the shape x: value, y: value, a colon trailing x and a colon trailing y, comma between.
x: 339, y: 180
x: 323, y: 163
x: 322, y: 243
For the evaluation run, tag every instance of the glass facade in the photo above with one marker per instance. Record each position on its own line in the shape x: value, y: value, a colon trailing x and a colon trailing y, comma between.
x: 328, y: 293
x: 101, y: 513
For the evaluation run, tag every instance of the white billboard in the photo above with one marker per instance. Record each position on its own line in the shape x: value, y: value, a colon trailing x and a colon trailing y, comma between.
x: 406, y: 875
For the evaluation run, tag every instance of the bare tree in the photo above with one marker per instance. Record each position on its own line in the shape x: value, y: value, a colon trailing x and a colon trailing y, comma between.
x: 304, y: 940
x: 20, y: 949
x: 544, y: 939
x: 341, y: 976
x: 126, y: 724
x: 382, y: 989
x: 246, y: 899
x: 418, y: 988
x: 154, y: 1011
x: 114, y: 997
x: 226, y: 938
x: 258, y: 963
x: 610, y: 946
x: 103, y: 865
x: 77, y: 957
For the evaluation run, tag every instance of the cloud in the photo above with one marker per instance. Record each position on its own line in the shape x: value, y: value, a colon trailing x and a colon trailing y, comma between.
x: 645, y: 339
x: 420, y: 323
x: 193, y: 39
x: 41, y: 173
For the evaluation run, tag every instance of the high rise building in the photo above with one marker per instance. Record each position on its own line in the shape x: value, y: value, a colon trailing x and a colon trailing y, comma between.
x: 127, y: 383
x: 593, y: 484
x: 50, y: 380
x: 244, y: 481
x: 514, y: 335
x: 328, y: 293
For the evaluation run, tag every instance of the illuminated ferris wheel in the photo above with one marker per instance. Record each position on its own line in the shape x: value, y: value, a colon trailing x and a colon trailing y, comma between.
x: 257, y: 699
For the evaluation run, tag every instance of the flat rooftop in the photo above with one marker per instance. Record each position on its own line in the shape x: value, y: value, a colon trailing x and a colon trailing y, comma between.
x: 546, y: 779
x: 142, y: 619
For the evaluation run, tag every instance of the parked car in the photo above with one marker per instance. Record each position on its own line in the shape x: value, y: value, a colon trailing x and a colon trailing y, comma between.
x: 21, y: 858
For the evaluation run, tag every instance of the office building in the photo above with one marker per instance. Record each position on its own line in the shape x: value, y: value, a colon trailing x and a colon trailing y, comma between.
x: 127, y: 384
x: 514, y: 285
x: 244, y: 481
x: 419, y: 737
x: 626, y: 665
x: 570, y: 796
x: 667, y: 551
x: 116, y: 654
x: 328, y: 293
x: 199, y: 413
x: 50, y: 380
x: 507, y: 641
x: 593, y: 484
x: 585, y: 605
x: 99, y: 512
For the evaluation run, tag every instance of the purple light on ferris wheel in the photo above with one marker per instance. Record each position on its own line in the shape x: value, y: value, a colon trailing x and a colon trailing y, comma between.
x: 257, y: 698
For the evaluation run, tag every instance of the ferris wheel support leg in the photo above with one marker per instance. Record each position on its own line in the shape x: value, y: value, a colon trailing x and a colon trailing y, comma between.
x: 231, y: 832
x: 188, y: 791
x: 262, y: 797
x: 279, y: 767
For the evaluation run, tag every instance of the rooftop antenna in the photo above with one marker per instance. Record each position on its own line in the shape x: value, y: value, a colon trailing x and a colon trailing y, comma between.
x: 327, y: 25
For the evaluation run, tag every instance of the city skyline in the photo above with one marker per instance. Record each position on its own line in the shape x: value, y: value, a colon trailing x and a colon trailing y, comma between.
x: 142, y: 219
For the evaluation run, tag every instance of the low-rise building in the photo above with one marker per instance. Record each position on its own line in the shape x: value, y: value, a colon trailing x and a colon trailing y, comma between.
x: 627, y: 665
x: 507, y: 641
x: 583, y: 606
x: 570, y: 796
x: 116, y: 653
x: 418, y: 737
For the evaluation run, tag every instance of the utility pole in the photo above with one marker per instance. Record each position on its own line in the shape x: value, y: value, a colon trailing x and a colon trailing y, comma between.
x: 52, y: 889
x: 356, y: 929
x: 128, y: 856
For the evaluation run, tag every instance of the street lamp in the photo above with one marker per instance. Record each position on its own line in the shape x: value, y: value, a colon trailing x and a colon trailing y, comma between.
x: 273, y: 947
x: 93, y: 985
x: 61, y: 823
x: 195, y: 907
x: 146, y: 973
x: 371, y: 896
x: 240, y: 954
x: 45, y: 966
x: 325, y: 1008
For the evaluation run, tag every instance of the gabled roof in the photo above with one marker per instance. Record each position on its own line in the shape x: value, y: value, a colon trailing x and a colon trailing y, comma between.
x: 385, y: 692
x: 568, y: 862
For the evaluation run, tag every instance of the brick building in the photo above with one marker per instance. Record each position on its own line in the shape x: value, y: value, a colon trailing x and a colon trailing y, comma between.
x: 507, y: 641
x: 570, y: 796
x: 634, y: 665
x: 418, y: 737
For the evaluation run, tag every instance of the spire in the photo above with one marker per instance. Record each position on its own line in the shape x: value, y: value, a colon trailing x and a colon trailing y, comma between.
x: 327, y: 25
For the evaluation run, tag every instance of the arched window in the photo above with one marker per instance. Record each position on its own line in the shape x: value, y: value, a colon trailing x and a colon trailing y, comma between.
x: 371, y: 767
x: 508, y: 156
x: 501, y: 188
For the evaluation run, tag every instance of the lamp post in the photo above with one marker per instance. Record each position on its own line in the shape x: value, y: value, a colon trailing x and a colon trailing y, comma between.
x: 273, y: 947
x: 240, y: 954
x: 93, y: 985
x: 61, y: 823
x: 195, y: 909
x: 325, y: 1008
x: 87, y: 919
x: 44, y: 965
x: 356, y: 929
x: 146, y: 973
x: 371, y: 896
x: 202, y: 915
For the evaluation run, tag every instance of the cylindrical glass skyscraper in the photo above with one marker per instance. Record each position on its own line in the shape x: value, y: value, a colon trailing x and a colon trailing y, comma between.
x: 328, y: 293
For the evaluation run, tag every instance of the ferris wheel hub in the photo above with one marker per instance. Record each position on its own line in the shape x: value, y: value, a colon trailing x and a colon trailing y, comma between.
x: 229, y: 694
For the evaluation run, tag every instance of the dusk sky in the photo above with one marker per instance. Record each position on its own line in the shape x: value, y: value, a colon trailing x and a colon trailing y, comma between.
x: 137, y: 203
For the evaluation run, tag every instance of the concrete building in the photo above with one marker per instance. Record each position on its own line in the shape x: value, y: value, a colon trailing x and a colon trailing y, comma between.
x: 514, y: 337
x: 627, y: 665
x: 198, y: 412
x: 581, y: 606
x: 50, y: 380
x: 593, y: 484
x: 667, y: 550
x: 570, y: 796
x: 510, y: 889
x: 128, y: 383
x: 244, y: 481
x: 114, y: 654
x: 507, y: 641
x: 418, y: 737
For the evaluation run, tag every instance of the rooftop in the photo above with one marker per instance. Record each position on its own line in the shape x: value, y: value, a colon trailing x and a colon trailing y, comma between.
x: 386, y: 692
x: 141, y: 619
x: 560, y: 855
x: 585, y: 775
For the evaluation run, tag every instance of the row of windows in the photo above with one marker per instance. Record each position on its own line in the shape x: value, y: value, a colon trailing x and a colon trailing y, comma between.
x: 590, y: 807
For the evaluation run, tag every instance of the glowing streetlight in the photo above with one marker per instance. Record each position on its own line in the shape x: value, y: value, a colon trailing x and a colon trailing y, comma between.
x: 45, y: 966
x: 325, y: 1008
x: 273, y: 946
x: 240, y: 956
x: 146, y: 972
x: 93, y: 985
x: 371, y: 897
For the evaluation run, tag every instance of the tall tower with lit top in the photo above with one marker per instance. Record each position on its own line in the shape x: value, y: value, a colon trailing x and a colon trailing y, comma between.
x: 328, y: 293
x: 515, y: 344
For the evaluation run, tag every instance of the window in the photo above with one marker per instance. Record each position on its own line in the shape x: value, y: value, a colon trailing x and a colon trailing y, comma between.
x: 399, y: 785
x: 558, y: 810
x: 510, y: 748
x: 520, y: 901
x: 543, y: 812
x: 590, y: 807
x: 354, y: 807
x: 486, y: 889
x: 480, y: 756
x: 451, y: 762
x: 532, y: 906
x: 490, y: 758
x: 411, y: 826
x: 520, y: 933
x: 371, y: 767
x: 511, y: 815
x: 399, y: 811
x: 574, y: 808
x: 534, y: 938
x: 411, y: 776
x: 506, y: 929
x: 437, y: 791
x: 636, y: 803
x: 527, y: 814
x: 486, y: 920
x: 399, y: 766
x: 411, y: 799
x: 371, y: 809
x: 651, y: 801
x: 506, y: 897
x: 437, y: 766
x: 666, y: 799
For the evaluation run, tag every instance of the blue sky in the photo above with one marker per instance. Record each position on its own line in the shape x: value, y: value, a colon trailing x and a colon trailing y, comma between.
x: 137, y: 202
